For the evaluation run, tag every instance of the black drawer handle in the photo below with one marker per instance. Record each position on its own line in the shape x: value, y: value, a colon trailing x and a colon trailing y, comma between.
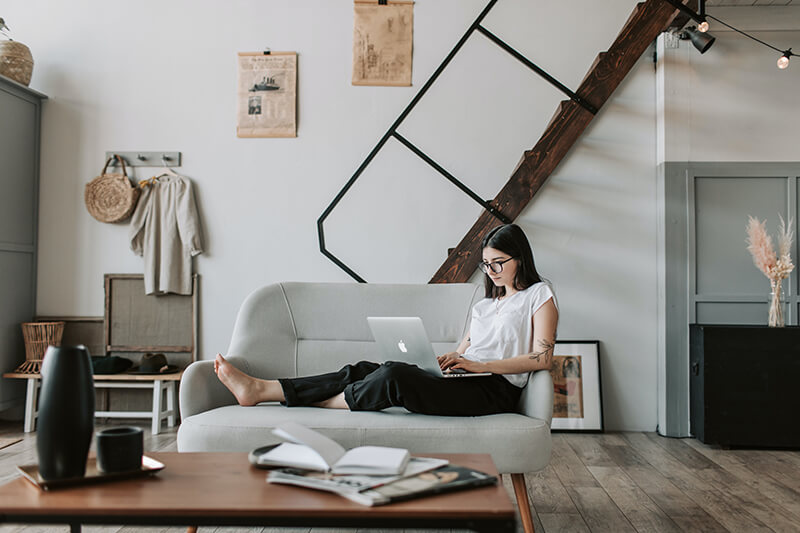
x: 696, y: 369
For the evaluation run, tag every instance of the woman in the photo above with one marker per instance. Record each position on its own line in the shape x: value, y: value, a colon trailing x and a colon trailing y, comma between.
x: 512, y: 333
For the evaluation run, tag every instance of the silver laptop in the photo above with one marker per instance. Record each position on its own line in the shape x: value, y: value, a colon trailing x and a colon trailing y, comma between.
x: 404, y: 339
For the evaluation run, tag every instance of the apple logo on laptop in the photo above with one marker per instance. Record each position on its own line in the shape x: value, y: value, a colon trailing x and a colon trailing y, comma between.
x: 402, y: 346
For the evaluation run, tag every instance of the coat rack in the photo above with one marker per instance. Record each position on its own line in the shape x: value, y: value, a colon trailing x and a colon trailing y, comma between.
x: 147, y: 159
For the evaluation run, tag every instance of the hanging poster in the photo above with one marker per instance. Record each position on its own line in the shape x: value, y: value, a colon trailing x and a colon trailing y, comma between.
x: 382, y: 42
x: 267, y: 95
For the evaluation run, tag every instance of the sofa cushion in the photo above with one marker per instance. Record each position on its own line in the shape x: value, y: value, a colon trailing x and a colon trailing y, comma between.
x: 516, y: 442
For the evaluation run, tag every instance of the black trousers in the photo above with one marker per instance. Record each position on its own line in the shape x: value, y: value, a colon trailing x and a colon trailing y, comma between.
x: 371, y: 386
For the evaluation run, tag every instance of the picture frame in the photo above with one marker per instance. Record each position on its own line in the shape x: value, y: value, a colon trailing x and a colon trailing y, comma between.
x: 136, y: 323
x: 578, y: 395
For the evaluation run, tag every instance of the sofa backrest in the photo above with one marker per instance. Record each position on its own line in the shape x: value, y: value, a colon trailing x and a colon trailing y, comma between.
x: 293, y: 329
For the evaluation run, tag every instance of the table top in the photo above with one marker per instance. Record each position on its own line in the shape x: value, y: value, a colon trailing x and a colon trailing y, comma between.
x: 224, y: 489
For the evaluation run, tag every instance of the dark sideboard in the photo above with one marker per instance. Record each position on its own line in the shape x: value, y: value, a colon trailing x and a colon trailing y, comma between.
x: 744, y: 384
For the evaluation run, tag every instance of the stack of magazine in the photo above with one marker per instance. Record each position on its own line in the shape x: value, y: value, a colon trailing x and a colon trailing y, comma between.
x: 369, y: 475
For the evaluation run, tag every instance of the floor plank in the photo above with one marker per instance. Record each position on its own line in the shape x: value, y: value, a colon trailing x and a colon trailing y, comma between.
x: 547, y: 493
x: 727, y: 512
x: 758, y: 483
x: 641, y: 511
x: 568, y: 466
x: 598, y: 510
x: 681, y: 476
x: 589, y: 449
x: 563, y: 522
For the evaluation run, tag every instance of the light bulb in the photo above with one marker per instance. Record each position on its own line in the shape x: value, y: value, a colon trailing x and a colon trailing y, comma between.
x: 783, y: 62
x: 703, y: 26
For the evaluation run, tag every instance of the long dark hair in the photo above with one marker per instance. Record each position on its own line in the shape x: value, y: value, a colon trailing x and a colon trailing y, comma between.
x: 511, y: 240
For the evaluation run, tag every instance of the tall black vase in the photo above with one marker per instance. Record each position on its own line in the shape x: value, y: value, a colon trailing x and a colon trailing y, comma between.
x: 66, y: 412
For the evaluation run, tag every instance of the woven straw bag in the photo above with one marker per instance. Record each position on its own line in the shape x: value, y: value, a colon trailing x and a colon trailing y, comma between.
x: 111, y: 197
x: 16, y: 61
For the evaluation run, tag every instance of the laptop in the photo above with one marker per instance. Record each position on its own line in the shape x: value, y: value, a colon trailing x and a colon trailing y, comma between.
x: 404, y: 339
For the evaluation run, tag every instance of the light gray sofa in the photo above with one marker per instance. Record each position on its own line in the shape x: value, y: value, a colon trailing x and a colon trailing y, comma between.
x: 292, y: 329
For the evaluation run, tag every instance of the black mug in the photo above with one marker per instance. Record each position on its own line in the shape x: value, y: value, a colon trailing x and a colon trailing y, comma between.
x: 120, y: 449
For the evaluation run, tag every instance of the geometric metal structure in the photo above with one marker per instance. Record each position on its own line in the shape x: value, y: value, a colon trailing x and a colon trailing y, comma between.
x: 571, y: 118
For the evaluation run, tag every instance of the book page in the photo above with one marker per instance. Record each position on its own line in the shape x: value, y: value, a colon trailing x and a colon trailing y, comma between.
x: 295, y: 455
x: 377, y: 459
x: 330, y: 450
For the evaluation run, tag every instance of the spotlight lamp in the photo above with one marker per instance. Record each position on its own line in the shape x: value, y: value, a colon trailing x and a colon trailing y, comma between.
x: 703, y: 26
x: 701, y: 40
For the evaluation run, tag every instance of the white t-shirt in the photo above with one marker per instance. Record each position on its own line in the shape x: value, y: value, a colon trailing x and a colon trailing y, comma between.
x: 501, y: 329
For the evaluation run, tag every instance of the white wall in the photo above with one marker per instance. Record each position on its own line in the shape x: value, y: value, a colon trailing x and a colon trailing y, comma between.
x: 151, y: 75
x: 733, y: 103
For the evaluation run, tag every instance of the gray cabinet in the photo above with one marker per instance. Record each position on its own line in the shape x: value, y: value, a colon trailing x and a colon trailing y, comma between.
x: 20, y: 112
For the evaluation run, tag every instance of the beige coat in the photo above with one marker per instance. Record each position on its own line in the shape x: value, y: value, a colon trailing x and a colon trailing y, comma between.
x: 165, y: 229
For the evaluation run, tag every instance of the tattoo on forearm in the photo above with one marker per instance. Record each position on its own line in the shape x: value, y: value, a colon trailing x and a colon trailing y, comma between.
x: 545, y: 350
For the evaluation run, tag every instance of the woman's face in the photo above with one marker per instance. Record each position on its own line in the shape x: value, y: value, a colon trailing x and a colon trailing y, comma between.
x: 509, y: 272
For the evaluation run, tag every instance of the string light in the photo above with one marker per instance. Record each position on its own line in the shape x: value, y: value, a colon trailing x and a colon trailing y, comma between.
x: 783, y: 61
x: 705, y: 42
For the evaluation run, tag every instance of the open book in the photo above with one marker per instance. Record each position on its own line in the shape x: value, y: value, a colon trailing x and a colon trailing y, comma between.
x: 310, y: 450
x: 349, y: 483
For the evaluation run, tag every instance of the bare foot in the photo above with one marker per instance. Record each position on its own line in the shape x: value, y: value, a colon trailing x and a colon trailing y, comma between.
x: 247, y: 389
x: 334, y: 402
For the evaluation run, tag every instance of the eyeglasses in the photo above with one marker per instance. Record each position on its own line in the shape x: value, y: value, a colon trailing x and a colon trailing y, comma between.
x: 495, y: 266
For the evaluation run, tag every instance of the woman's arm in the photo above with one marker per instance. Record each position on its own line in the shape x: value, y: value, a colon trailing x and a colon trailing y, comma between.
x: 545, y: 321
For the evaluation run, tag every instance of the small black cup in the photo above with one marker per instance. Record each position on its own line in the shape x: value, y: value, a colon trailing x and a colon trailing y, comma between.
x: 120, y: 449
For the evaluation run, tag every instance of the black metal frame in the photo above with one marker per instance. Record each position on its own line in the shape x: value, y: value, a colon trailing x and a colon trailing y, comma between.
x: 392, y: 133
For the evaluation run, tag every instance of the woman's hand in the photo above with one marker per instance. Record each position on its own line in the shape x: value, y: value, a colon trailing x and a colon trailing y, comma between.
x: 470, y: 366
x: 447, y: 360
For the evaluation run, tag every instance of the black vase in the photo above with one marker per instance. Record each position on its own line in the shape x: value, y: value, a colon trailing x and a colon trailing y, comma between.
x: 66, y: 412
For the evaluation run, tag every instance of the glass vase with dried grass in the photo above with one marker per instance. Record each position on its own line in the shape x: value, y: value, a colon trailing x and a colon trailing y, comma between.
x: 775, y: 265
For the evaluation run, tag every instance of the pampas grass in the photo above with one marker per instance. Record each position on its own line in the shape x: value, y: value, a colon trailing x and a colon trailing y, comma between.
x: 775, y: 265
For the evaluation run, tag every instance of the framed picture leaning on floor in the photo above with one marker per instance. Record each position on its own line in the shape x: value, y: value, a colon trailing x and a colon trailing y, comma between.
x: 577, y: 398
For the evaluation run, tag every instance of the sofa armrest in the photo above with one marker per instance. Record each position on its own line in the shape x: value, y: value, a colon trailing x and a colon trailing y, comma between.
x: 537, y: 396
x: 201, y: 390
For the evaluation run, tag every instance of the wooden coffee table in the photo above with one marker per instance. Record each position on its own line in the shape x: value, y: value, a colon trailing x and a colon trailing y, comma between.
x: 223, y: 489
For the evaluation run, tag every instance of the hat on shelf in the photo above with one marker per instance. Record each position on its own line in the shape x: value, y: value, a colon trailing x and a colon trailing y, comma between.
x: 110, y: 364
x: 153, y: 363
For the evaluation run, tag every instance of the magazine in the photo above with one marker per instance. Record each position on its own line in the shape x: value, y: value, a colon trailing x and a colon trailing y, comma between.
x: 444, y: 479
x: 349, y: 483
x: 310, y: 450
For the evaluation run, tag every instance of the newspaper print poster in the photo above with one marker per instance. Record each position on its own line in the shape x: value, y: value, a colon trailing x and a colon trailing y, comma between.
x: 267, y: 95
x: 382, y: 42
x: 567, y: 372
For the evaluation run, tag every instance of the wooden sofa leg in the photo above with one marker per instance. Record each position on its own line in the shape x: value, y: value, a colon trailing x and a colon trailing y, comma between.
x: 521, y: 492
x: 191, y: 529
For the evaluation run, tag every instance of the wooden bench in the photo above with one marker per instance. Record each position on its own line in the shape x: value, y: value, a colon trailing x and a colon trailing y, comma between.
x: 158, y: 382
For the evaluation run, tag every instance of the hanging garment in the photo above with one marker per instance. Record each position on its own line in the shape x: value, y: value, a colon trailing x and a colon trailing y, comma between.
x: 165, y: 229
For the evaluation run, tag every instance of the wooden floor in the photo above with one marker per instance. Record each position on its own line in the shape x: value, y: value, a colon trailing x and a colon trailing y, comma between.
x: 614, y: 482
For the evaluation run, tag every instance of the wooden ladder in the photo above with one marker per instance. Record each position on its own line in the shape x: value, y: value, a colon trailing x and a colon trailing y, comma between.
x: 646, y: 22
